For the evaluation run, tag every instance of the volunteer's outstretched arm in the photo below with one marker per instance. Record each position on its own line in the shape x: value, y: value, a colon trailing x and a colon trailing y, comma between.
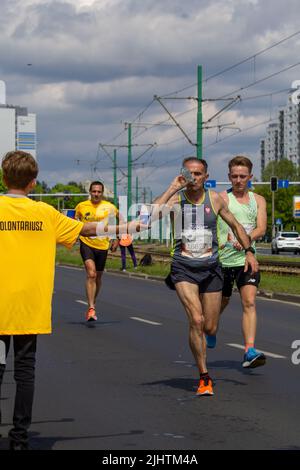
x: 92, y: 229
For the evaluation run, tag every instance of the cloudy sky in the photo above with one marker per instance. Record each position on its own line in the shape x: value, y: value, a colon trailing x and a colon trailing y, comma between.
x: 96, y: 64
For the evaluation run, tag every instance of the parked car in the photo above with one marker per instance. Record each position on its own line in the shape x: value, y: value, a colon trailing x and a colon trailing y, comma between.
x: 286, y: 241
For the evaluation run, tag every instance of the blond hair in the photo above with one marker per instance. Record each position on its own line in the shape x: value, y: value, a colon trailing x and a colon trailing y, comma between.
x: 240, y: 160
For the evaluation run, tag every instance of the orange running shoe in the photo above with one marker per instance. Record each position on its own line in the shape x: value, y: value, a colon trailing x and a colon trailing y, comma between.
x: 205, y: 386
x: 91, y: 314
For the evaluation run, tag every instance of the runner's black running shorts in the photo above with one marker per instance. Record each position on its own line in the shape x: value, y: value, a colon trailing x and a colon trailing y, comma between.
x: 208, y: 280
x: 98, y: 256
x: 240, y: 277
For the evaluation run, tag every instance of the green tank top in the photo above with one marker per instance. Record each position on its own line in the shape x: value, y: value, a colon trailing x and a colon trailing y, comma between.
x: 246, y: 215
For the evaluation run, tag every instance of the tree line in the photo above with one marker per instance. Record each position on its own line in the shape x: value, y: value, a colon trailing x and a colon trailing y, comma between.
x: 67, y: 202
x: 283, y: 169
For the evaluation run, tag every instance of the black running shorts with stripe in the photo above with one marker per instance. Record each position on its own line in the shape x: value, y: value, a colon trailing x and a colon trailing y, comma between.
x: 240, y: 277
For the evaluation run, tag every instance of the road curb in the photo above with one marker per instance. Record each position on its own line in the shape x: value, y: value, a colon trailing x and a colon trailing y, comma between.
x: 150, y: 277
x: 282, y: 296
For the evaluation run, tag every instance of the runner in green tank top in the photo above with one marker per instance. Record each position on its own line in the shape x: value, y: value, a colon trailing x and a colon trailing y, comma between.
x: 195, y: 270
x: 250, y: 210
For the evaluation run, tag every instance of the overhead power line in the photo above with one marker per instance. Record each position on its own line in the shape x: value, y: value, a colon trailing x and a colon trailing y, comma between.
x: 265, y: 95
x: 240, y: 131
x: 237, y: 64
x: 255, y: 82
x: 253, y: 56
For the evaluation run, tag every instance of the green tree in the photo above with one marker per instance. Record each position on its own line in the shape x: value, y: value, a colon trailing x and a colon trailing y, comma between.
x: 2, y: 186
x: 284, y: 169
x: 67, y: 202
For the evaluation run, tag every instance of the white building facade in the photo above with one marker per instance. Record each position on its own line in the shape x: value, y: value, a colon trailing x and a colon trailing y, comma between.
x: 291, y: 132
x: 283, y: 137
x: 17, y: 127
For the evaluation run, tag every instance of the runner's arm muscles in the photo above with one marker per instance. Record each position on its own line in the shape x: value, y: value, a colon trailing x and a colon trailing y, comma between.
x: 261, y: 224
x: 163, y: 204
x: 160, y: 209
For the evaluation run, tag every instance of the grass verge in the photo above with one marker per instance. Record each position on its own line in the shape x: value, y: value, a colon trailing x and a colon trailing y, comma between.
x: 269, y: 282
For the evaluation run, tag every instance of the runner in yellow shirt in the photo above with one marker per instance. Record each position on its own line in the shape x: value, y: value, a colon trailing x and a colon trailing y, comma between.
x: 29, y: 232
x: 94, y: 250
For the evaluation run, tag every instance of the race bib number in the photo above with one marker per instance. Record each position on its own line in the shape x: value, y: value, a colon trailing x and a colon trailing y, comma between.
x: 197, y: 243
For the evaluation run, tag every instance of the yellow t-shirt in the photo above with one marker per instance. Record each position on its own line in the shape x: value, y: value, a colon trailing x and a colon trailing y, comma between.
x: 88, y: 212
x: 29, y: 232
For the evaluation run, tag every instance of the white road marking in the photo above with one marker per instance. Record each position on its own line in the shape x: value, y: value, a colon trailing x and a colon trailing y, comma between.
x: 278, y: 300
x: 74, y: 268
x: 145, y: 321
x: 266, y: 353
x: 81, y: 302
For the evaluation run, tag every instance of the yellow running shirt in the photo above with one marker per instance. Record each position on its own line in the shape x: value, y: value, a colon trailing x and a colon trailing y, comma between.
x: 29, y: 232
x: 88, y: 212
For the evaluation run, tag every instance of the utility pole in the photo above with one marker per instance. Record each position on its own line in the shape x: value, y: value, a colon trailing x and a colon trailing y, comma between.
x: 130, y: 163
x: 144, y: 195
x: 136, y: 189
x: 129, y: 170
x: 200, y: 123
x: 273, y: 214
x: 199, y: 114
x: 273, y: 187
x: 114, y: 162
x: 115, y: 178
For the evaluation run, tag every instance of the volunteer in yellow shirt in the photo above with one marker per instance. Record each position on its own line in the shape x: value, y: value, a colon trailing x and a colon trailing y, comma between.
x: 94, y: 250
x: 29, y: 232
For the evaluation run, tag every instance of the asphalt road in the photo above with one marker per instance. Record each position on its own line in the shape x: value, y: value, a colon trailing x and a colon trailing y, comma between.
x: 128, y: 384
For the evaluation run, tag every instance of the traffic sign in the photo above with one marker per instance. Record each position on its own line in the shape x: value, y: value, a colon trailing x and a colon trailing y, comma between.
x: 296, y: 204
x: 283, y: 184
x: 210, y: 183
x: 278, y: 221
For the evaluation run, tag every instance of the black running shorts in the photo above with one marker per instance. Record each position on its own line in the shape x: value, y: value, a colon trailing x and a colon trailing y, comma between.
x: 240, y: 277
x: 98, y: 256
x: 208, y: 280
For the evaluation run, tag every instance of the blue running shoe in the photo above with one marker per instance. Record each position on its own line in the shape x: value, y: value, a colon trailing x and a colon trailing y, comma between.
x: 211, y: 341
x: 253, y: 358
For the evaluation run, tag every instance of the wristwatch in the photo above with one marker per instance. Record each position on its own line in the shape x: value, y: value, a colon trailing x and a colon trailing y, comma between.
x: 251, y: 249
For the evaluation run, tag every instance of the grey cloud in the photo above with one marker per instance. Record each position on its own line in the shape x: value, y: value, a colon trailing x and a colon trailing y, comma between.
x: 110, y: 61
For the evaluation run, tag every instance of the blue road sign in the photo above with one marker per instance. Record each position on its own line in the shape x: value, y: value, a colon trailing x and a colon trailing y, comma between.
x: 278, y: 221
x: 283, y: 184
x: 210, y: 183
